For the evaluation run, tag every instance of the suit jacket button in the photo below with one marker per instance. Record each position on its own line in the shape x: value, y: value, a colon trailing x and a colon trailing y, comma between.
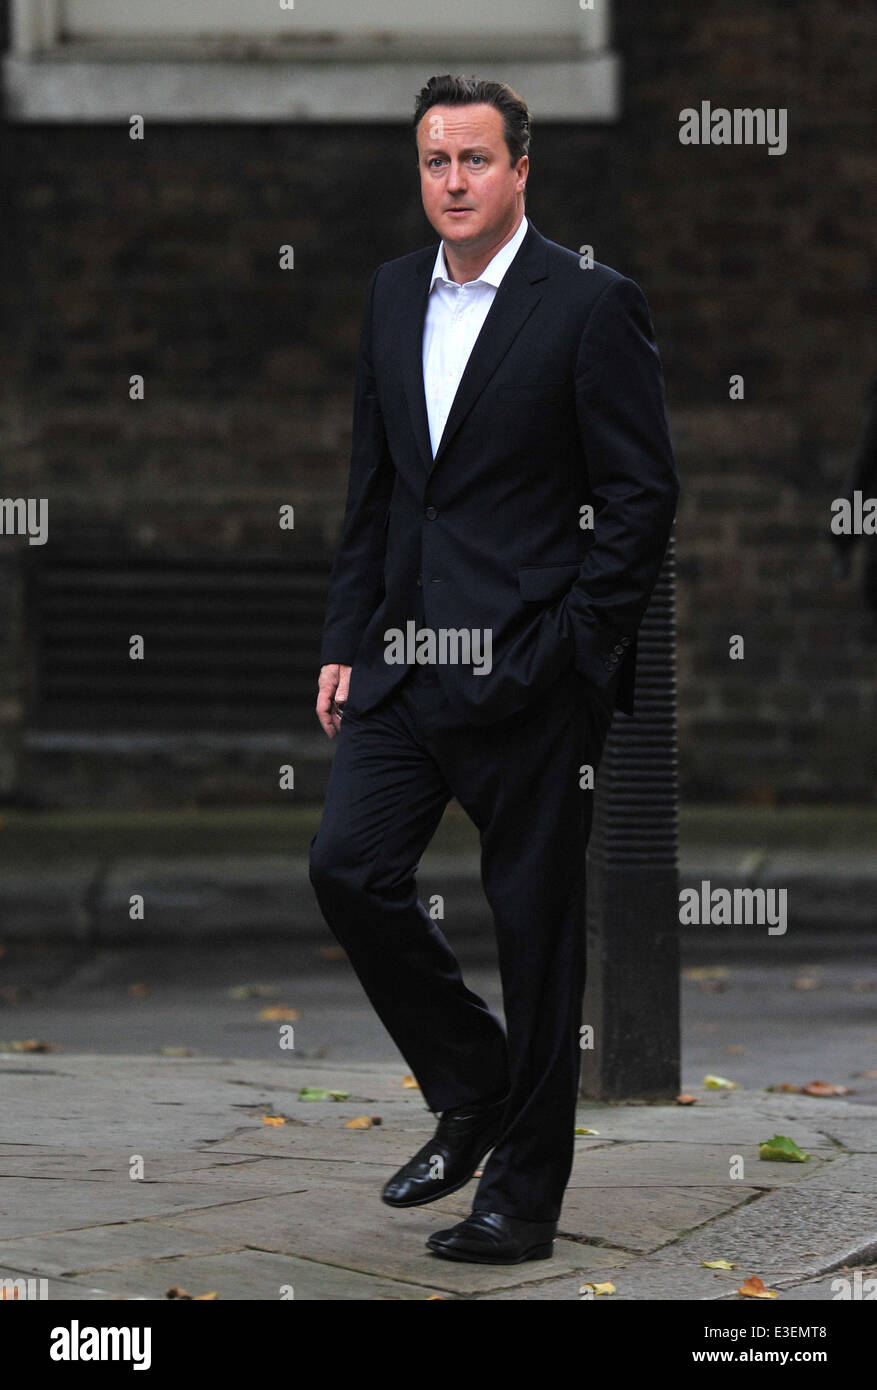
x: 619, y: 650
x: 626, y: 641
x: 610, y: 665
x: 431, y: 513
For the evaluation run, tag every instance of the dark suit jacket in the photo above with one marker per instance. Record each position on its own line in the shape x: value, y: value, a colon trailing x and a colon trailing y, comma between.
x: 561, y: 405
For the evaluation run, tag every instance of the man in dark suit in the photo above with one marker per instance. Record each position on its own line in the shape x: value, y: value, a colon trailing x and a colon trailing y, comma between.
x: 512, y: 490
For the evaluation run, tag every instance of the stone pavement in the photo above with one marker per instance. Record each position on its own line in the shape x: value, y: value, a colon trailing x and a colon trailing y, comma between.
x: 232, y: 1205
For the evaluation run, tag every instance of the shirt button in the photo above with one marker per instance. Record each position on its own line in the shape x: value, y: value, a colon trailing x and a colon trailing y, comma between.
x: 431, y: 513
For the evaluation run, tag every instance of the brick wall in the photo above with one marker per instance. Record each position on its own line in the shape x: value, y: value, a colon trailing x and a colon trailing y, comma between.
x: 160, y: 258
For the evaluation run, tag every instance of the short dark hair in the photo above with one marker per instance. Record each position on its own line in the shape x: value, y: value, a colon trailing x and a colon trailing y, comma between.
x: 473, y: 91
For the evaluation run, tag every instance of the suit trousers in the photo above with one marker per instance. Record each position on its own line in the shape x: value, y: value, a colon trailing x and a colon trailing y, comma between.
x: 395, y: 769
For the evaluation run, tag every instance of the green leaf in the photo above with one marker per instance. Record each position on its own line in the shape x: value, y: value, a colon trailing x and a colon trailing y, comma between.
x: 318, y: 1093
x: 781, y: 1149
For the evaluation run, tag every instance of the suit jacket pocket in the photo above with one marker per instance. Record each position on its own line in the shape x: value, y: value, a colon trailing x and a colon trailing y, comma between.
x: 547, y: 581
x: 530, y: 392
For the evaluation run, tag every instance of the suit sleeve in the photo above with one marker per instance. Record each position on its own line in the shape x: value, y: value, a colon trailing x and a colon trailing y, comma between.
x: 357, y: 580
x: 623, y: 428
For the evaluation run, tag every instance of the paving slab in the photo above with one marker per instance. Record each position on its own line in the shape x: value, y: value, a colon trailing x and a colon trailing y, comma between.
x: 784, y: 1237
x: 231, y: 1204
x: 104, y: 1247
x: 251, y: 1275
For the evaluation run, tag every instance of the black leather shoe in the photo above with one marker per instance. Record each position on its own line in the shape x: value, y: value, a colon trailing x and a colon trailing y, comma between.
x: 461, y: 1140
x: 490, y: 1238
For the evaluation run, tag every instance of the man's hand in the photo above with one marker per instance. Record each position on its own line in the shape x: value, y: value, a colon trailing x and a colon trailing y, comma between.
x: 334, y: 683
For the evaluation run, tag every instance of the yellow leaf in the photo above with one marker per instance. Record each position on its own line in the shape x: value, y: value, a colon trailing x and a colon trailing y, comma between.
x: 278, y: 1013
x: 410, y: 1084
x: 754, y: 1288
x: 361, y: 1122
x: 580, y: 1129
x: 719, y: 1083
x: 273, y: 1120
x: 199, y: 1296
x: 716, y: 1264
x: 597, y: 1288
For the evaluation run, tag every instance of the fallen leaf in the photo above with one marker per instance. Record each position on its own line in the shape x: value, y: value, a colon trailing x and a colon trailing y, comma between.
x: 177, y: 1052
x: 719, y: 1083
x: 410, y: 1084
x: 199, y: 1296
x: 273, y: 1120
x: 138, y: 990
x: 361, y: 1122
x: 787, y: 1087
x: 318, y: 1093
x: 735, y: 1050
x: 580, y: 1129
x: 717, y: 1264
x: 278, y: 1013
x: 686, y: 1100
x: 252, y: 992
x: 597, y: 1289
x: 332, y: 953
x: 27, y: 1045
x: 441, y: 1298
x: 871, y: 1075
x: 754, y: 1288
x: 706, y: 972
x: 177, y: 1292
x: 806, y: 982
x: 781, y: 1149
x: 824, y: 1088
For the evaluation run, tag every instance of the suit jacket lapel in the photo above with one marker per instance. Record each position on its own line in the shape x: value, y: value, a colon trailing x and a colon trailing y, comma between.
x: 513, y: 303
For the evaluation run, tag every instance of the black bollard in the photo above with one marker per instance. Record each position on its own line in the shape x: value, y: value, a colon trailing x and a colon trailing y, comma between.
x: 632, y: 994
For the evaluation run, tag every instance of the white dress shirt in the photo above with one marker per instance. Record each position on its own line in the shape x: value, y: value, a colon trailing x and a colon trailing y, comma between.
x: 455, y: 315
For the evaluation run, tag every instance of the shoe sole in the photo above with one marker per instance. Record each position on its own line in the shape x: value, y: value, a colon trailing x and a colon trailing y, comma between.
x: 445, y: 1192
x: 538, y: 1252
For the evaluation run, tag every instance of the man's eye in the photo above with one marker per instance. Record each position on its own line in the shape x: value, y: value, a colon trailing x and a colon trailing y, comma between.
x: 477, y: 156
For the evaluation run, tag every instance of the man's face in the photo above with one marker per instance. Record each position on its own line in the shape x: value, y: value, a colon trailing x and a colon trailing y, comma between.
x: 471, y: 194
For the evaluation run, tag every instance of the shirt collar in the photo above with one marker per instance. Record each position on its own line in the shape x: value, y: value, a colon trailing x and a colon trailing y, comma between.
x: 494, y: 270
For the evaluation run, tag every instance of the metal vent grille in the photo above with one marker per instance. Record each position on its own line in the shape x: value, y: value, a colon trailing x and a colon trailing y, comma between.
x: 228, y: 644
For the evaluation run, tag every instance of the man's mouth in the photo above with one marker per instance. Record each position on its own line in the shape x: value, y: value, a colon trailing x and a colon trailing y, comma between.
x: 457, y: 211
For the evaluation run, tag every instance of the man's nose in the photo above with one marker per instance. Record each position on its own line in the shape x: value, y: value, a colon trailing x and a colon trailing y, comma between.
x: 456, y: 177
